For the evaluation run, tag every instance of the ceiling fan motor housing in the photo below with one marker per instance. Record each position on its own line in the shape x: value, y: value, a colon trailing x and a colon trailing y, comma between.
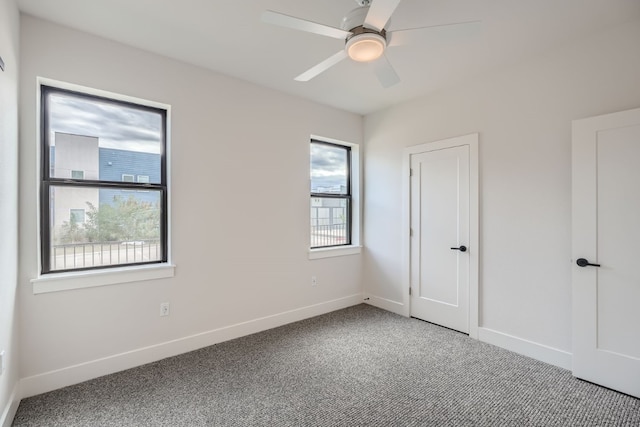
x: 355, y: 18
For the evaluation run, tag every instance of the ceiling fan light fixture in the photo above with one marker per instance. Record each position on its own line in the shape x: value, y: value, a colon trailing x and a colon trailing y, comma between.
x: 365, y: 47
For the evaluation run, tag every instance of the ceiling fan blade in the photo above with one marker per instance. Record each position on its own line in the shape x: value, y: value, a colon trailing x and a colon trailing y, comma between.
x: 283, y: 20
x: 321, y: 67
x: 444, y: 31
x: 387, y: 76
x: 379, y: 13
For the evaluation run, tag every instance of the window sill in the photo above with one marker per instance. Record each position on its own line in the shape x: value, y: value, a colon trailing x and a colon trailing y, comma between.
x: 55, y: 282
x: 334, y: 252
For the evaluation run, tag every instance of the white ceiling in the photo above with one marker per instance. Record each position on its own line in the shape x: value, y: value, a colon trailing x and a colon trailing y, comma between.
x: 227, y: 36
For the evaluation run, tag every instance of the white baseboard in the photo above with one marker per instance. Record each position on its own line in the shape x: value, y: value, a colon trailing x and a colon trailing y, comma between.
x: 531, y: 349
x: 386, y: 304
x: 70, y: 375
x: 9, y: 412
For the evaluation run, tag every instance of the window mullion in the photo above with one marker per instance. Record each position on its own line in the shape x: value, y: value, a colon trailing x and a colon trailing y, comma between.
x: 331, y: 195
x: 63, y: 182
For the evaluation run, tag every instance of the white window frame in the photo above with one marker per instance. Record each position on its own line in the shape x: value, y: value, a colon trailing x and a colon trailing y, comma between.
x: 69, y: 280
x: 356, y: 206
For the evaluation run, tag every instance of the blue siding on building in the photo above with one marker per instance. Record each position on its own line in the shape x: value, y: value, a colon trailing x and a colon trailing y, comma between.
x: 115, y: 163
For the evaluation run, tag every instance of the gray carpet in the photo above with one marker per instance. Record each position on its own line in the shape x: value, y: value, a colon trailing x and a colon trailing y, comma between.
x: 355, y: 367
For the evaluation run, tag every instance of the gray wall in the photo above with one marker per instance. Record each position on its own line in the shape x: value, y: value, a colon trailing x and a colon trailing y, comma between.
x: 9, y: 32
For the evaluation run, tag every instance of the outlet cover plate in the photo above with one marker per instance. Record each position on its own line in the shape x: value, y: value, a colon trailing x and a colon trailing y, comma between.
x: 164, y: 309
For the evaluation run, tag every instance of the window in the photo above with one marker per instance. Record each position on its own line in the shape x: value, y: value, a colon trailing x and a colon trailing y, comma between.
x: 127, y: 178
x: 331, y: 199
x: 143, y: 179
x: 92, y: 217
x: 76, y: 216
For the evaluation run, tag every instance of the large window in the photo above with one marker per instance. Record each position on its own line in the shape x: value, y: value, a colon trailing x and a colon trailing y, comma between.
x: 330, y: 194
x: 94, y: 213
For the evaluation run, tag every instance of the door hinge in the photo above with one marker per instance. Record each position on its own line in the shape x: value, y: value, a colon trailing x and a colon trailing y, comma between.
x: 411, y: 232
x: 409, y: 291
x: 410, y: 172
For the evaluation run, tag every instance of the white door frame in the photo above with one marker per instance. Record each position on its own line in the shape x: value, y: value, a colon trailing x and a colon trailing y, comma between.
x: 470, y: 140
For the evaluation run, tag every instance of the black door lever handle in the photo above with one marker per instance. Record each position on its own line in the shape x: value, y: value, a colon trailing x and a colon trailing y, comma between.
x: 583, y: 263
x: 461, y: 249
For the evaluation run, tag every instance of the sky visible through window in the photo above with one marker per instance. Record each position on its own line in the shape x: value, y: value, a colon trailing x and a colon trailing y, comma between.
x: 328, y: 169
x: 116, y: 125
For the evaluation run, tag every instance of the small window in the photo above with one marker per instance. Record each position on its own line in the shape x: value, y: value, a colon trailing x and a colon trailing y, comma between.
x: 92, y: 216
x: 330, y: 194
x: 143, y: 179
x: 77, y: 216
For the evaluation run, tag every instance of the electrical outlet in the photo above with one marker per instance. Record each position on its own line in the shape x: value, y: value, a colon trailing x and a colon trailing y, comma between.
x: 164, y: 309
x: 314, y: 281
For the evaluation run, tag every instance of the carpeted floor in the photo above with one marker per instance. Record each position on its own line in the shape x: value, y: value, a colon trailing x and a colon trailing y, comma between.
x: 361, y: 366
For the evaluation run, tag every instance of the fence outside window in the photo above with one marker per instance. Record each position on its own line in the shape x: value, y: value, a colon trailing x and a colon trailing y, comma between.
x: 97, y: 254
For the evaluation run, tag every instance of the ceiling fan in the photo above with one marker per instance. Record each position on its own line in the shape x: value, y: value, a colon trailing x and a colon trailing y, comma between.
x: 364, y: 33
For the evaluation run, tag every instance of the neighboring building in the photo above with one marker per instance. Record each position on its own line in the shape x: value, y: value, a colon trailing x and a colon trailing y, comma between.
x: 338, y: 189
x: 74, y: 157
x: 129, y: 166
x: 80, y: 157
x: 327, y: 211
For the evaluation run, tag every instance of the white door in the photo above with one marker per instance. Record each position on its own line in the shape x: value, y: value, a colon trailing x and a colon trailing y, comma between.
x: 606, y: 250
x: 441, y: 244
